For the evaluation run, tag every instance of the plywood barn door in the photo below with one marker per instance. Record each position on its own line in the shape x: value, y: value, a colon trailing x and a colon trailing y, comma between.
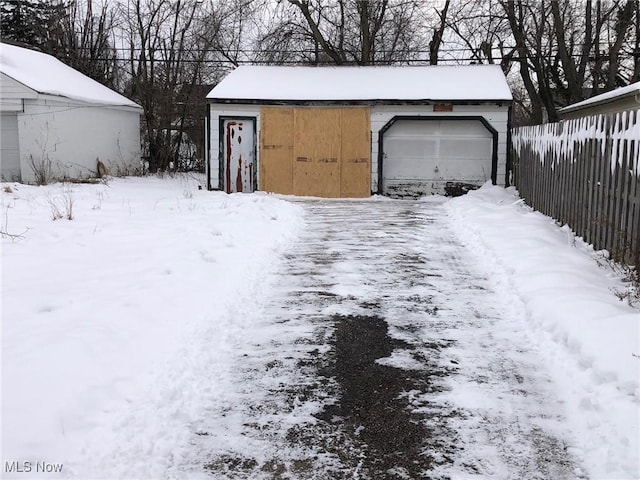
x: 276, y: 150
x: 355, y: 175
x: 316, y: 152
x: 320, y: 152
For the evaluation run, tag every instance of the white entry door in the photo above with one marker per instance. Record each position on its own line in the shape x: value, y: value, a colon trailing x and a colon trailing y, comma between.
x: 422, y: 157
x: 238, y: 150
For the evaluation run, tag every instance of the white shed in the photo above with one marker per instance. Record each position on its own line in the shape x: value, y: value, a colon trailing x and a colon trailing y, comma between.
x: 59, y: 122
x: 351, y: 131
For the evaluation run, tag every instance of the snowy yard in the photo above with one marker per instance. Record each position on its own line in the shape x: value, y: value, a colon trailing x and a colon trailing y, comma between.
x: 171, y: 332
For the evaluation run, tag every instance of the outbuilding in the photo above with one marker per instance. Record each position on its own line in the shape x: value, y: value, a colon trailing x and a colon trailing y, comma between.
x: 57, y: 123
x: 353, y: 131
x: 621, y: 99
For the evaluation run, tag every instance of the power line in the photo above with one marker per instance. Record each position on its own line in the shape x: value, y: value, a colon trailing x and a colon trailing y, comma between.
x: 310, y: 61
x: 251, y: 51
x: 252, y: 56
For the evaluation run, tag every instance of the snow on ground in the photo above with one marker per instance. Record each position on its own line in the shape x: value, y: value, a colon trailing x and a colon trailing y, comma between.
x: 588, y: 338
x: 138, y: 323
x: 125, y: 308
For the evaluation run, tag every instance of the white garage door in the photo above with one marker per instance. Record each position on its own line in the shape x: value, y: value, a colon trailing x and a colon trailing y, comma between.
x: 9, y: 150
x: 421, y: 157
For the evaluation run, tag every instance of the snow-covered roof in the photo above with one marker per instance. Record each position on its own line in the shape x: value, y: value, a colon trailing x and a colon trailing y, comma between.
x: 629, y: 90
x: 424, y: 83
x: 48, y: 75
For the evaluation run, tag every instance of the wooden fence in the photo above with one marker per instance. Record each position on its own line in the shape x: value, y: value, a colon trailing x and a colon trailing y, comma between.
x: 585, y: 173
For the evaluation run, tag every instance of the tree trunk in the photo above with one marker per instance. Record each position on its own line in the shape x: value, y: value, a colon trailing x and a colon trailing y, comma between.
x: 517, y: 28
x: 436, y: 41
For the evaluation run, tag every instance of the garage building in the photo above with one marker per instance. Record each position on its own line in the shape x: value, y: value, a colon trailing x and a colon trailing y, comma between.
x: 354, y: 131
x: 56, y: 122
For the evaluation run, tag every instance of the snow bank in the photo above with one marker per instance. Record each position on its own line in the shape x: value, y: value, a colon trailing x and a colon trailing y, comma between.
x: 121, y: 310
x: 590, y: 337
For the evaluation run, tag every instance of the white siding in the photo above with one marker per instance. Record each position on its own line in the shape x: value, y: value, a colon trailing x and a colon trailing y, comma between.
x: 222, y: 110
x: 72, y: 136
x: 9, y: 148
x: 12, y: 93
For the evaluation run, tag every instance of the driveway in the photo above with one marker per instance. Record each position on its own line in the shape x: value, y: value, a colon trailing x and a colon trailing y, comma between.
x: 384, y: 351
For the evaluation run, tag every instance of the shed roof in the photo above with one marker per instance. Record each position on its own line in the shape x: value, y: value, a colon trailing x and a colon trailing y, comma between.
x: 47, y: 75
x: 425, y: 83
x: 608, y: 97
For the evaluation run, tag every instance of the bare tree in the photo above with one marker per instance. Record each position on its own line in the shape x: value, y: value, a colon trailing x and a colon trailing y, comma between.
x: 479, y: 32
x: 567, y: 52
x: 227, y: 28
x: 177, y: 50
x: 72, y: 31
x: 164, y: 69
x: 345, y: 32
x: 634, y: 48
x: 622, y: 26
x: 86, y: 41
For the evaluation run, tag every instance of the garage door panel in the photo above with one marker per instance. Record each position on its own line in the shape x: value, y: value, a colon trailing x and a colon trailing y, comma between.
x: 439, y: 128
x: 464, y: 170
x: 412, y: 128
x: 463, y: 128
x: 421, y: 156
x: 411, y: 147
x: 472, y: 148
x: 405, y: 169
x: 412, y: 187
x: 454, y: 169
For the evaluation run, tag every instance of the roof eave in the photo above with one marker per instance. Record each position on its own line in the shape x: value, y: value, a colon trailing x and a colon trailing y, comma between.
x: 369, y: 102
x: 85, y: 101
x: 597, y: 103
x: 132, y: 105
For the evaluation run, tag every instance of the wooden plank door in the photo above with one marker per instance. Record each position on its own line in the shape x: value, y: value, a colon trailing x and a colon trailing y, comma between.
x: 320, y: 152
x: 238, y: 153
x: 316, y: 152
x: 276, y: 150
x: 355, y: 171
